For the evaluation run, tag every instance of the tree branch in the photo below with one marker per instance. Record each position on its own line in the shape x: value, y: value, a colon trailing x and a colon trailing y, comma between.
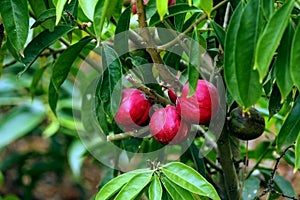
x: 227, y: 163
x: 150, y: 48
x: 122, y: 136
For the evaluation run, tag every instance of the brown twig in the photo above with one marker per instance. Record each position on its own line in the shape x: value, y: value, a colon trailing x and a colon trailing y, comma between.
x: 148, y: 91
x: 150, y: 48
x: 122, y: 136
x: 190, y: 28
x: 271, y: 188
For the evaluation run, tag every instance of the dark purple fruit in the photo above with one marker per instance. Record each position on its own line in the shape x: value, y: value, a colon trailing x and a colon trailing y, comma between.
x: 247, y: 125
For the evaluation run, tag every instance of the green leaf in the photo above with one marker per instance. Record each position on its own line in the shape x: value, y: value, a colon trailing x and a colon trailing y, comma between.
x: 88, y: 7
x: 284, y: 185
x: 162, y: 8
x: 241, y: 80
x: 194, y: 65
x: 135, y: 186
x: 187, y: 178
x: 121, y: 34
x: 297, y: 154
x: 155, y: 189
x: 275, y: 101
x: 103, y: 11
x: 174, y: 10
x: 41, y: 42
x: 290, y: 128
x: 207, y: 6
x: 39, y: 8
x: 20, y: 121
x: 64, y: 63
x: 251, y: 188
x: 44, y: 16
x: 113, y: 186
x: 220, y: 33
x: 282, y: 64
x: 15, y: 18
x: 76, y: 157
x: 175, y: 191
x: 52, y: 97
x: 59, y: 9
x: 295, y: 57
x: 270, y: 38
x: 111, y: 84
x: 99, y: 18
x: 267, y: 7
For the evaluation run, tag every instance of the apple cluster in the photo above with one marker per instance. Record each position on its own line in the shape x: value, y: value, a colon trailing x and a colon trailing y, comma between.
x: 170, y: 124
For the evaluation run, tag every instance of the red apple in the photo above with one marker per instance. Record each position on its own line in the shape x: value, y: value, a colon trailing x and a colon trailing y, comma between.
x: 200, y: 107
x: 134, y: 109
x: 172, y: 95
x: 167, y: 127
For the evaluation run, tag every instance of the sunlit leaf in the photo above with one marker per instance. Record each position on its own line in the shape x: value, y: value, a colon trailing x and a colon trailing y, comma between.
x: 270, y: 38
x: 41, y: 42
x: 241, y: 80
x: 88, y: 7
x: 290, y: 128
x: 295, y: 57
x: 59, y: 9
x: 15, y: 18
x: 155, y: 189
x: 162, y: 8
x: 187, y: 178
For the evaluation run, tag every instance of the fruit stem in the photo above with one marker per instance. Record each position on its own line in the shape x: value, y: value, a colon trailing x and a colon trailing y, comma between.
x: 227, y: 163
x: 122, y: 136
x: 148, y: 91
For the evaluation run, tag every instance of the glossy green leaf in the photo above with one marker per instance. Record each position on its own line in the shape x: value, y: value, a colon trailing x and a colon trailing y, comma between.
x: 52, y: 97
x: 103, y: 11
x: 207, y: 6
x: 295, y: 57
x: 282, y: 64
x: 20, y: 121
x: 187, y: 178
x: 135, y: 186
x: 297, y: 154
x: 76, y: 157
x: 88, y: 7
x: 275, y: 101
x: 111, y: 84
x: 251, y: 188
x: 194, y: 65
x: 175, y: 191
x: 59, y: 9
x: 44, y: 16
x: 39, y: 8
x: 290, y: 128
x: 64, y: 63
x: 99, y: 18
x: 114, y: 185
x: 15, y: 18
x: 220, y: 33
x: 155, y: 189
x: 241, y: 80
x: 174, y: 10
x: 41, y: 42
x: 121, y: 39
x: 270, y: 38
x: 267, y: 7
x: 162, y: 8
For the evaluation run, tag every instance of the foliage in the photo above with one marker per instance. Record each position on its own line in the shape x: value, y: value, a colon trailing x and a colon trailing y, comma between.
x: 253, y: 45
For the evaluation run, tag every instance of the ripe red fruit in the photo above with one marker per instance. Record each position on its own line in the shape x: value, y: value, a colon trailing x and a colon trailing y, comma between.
x: 171, y: 2
x: 134, y: 109
x: 200, y: 107
x: 167, y: 127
